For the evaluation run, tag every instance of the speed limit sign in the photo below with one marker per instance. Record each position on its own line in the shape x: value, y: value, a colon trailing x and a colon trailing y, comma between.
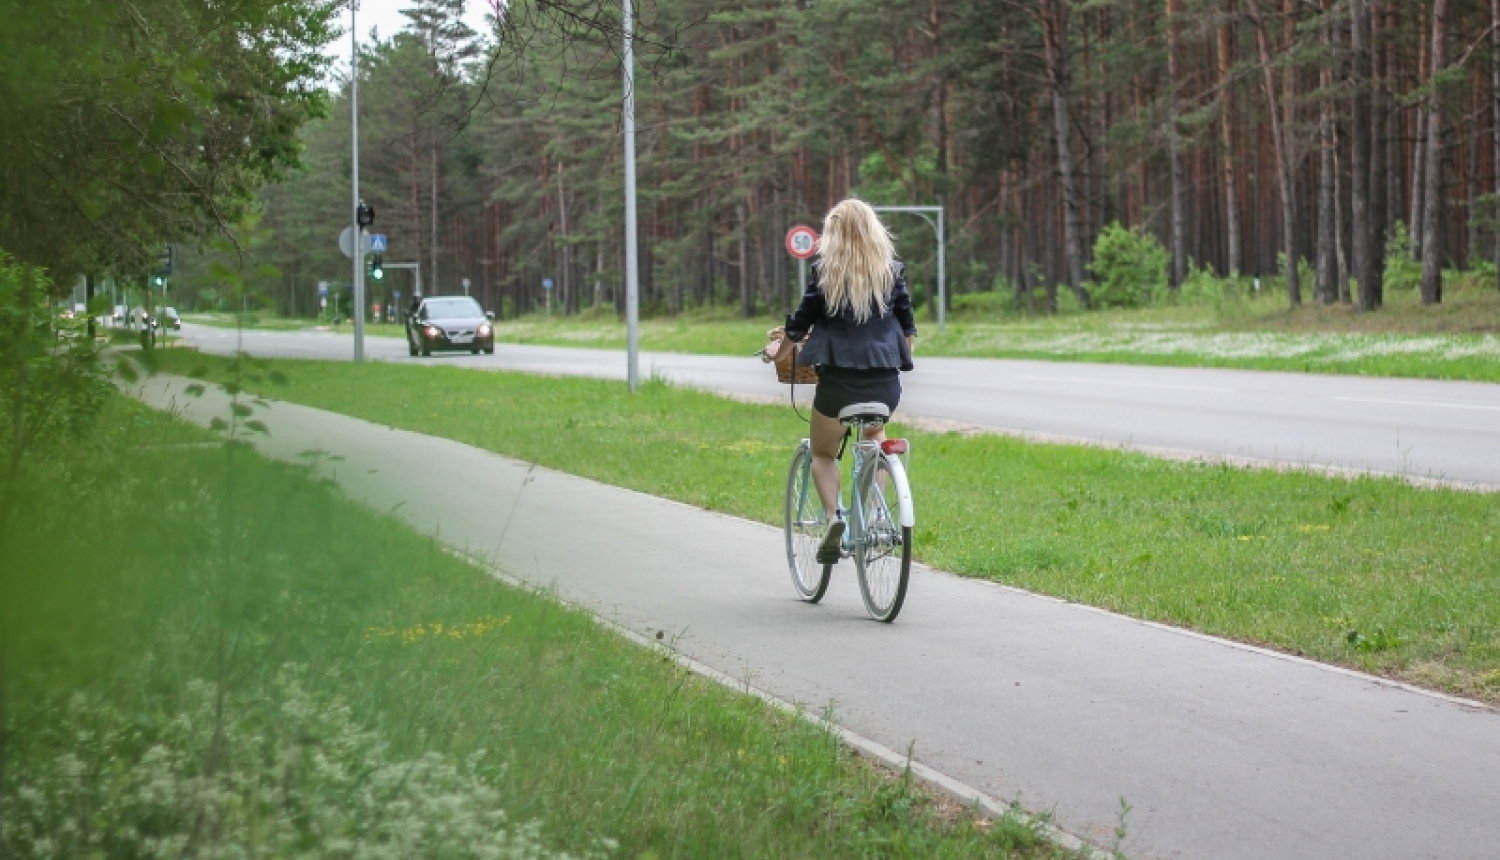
x: 801, y: 241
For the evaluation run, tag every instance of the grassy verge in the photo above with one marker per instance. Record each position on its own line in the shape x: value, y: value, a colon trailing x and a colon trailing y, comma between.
x: 238, y: 662
x: 269, y: 322
x: 1370, y: 573
x: 1459, y: 339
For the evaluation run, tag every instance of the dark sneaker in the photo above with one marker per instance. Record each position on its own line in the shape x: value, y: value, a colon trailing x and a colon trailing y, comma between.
x: 828, y: 550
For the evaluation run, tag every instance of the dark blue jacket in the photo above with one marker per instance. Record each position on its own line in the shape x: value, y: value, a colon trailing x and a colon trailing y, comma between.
x: 877, y: 343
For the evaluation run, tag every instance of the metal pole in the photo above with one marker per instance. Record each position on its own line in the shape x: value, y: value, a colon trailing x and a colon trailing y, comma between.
x: 88, y: 304
x: 632, y: 276
x: 358, y: 311
x: 942, y: 275
x: 801, y: 282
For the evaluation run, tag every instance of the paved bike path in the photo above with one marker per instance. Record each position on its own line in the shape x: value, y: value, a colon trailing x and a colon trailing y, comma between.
x: 1220, y: 751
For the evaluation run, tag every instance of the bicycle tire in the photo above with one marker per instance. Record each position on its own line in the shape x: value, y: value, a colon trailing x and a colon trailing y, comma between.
x: 882, y: 552
x: 804, y: 524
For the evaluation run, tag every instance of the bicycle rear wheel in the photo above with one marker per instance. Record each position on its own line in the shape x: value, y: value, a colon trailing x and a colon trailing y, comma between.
x: 805, y: 523
x: 882, y: 553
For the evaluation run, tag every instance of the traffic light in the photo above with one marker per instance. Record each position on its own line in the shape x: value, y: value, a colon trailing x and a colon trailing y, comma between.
x: 158, y: 280
x: 377, y: 267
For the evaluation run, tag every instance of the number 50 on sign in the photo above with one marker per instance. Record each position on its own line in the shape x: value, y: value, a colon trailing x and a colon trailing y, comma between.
x: 801, y: 241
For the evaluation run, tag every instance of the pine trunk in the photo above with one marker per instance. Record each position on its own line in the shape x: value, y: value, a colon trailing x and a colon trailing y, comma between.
x: 1419, y: 160
x: 1283, y: 156
x: 1326, y: 290
x: 1055, y: 24
x: 1226, y: 130
x: 1495, y: 121
x: 1361, y: 133
x: 1174, y: 146
x: 1383, y: 181
x: 1432, y: 237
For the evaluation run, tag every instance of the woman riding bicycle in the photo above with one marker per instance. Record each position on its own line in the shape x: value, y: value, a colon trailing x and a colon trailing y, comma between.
x: 859, y: 312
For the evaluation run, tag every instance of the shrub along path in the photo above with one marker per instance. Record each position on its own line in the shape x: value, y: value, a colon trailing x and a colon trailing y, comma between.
x: 1219, y: 750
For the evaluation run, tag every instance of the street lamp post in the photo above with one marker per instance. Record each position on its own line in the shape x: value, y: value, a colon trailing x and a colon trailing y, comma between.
x: 632, y: 282
x: 358, y: 311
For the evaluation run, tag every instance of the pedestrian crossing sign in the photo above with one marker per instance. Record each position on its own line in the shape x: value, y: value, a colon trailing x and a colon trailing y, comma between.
x: 377, y: 241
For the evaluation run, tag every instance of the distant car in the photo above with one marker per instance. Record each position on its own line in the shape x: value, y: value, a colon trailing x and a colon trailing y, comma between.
x: 169, y: 317
x: 449, y: 324
x: 119, y: 313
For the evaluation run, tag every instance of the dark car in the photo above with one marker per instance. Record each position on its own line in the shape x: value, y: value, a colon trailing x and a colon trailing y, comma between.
x: 449, y: 323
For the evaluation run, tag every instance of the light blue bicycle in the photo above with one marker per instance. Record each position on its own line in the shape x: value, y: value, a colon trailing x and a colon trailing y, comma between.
x: 880, y: 517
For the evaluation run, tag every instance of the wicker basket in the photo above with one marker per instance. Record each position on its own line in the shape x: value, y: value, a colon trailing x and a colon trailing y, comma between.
x: 788, y: 371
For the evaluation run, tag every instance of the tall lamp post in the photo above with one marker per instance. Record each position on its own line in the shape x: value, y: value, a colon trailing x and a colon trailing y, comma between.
x: 359, y: 207
x: 632, y: 276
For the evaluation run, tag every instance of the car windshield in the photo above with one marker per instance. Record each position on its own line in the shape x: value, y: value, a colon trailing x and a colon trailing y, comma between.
x: 453, y: 308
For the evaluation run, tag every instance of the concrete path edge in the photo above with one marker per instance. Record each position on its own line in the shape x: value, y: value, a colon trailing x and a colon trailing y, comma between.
x: 872, y: 750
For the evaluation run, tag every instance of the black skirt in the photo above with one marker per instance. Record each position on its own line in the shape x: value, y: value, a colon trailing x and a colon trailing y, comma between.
x: 840, y: 387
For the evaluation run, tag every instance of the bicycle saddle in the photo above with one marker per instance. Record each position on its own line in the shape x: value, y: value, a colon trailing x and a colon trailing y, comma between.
x: 865, y: 411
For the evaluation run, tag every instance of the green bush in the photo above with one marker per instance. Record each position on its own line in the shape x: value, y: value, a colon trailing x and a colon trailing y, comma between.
x: 983, y: 304
x: 1402, y: 271
x: 1203, y: 287
x: 1129, y: 268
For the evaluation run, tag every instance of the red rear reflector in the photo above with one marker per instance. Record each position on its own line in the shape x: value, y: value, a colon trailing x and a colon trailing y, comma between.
x: 894, y: 446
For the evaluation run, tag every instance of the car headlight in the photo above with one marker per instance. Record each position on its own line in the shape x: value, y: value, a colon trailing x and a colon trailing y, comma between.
x: 484, y: 331
x: 431, y: 331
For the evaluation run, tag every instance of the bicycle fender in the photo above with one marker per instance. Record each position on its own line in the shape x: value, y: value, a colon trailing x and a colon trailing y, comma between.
x: 903, y: 490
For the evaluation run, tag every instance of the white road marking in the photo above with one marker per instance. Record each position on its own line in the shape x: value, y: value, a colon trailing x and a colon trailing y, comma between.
x: 1419, y: 403
x: 1125, y: 384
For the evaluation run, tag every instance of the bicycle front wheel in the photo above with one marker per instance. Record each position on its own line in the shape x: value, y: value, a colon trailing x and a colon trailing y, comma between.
x: 805, y: 524
x: 882, y: 553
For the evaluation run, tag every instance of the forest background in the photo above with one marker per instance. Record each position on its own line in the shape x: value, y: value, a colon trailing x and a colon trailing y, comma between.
x: 1224, y: 137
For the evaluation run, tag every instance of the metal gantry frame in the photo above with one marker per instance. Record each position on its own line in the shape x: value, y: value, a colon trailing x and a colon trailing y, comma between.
x: 415, y: 267
x: 925, y: 213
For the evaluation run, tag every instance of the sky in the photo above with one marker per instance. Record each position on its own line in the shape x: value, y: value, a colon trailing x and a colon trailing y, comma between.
x: 385, y: 16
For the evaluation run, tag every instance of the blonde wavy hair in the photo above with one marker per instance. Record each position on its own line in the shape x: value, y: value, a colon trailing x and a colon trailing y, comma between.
x: 855, y: 254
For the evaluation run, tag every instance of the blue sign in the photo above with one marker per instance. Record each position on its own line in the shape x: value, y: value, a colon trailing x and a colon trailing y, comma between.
x: 546, y: 283
x: 397, y: 295
x: 322, y: 288
x: 377, y: 241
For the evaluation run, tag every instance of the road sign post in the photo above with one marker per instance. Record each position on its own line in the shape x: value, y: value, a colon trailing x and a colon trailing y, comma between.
x: 802, y: 243
x: 547, y: 289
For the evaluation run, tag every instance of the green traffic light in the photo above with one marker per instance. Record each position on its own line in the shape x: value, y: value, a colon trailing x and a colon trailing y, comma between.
x: 377, y: 273
x: 158, y: 280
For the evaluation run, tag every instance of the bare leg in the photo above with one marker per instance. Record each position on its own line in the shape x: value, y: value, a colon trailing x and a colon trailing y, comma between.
x: 826, y: 434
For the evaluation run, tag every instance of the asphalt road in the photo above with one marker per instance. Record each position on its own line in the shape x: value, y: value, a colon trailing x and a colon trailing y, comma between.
x: 1222, y: 752
x: 1448, y: 431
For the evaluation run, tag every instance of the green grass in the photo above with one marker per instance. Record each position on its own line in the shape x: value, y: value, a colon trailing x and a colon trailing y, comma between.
x: 262, y: 321
x: 1370, y: 573
x: 374, y: 689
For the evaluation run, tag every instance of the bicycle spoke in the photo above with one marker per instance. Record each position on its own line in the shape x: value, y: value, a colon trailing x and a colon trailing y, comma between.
x: 804, y: 527
x: 883, y: 556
